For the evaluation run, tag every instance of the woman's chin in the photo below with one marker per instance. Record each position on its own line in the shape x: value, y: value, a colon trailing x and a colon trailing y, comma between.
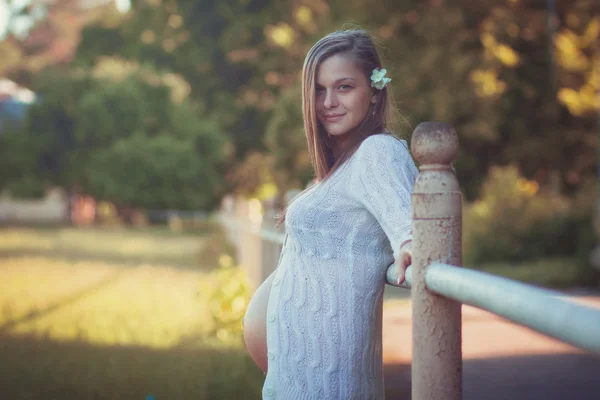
x: 337, y: 133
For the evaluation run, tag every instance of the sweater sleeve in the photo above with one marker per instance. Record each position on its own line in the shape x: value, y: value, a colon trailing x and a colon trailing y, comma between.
x: 383, y: 178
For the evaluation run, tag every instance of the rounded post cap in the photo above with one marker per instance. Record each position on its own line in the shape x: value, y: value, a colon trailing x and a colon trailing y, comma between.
x: 434, y: 143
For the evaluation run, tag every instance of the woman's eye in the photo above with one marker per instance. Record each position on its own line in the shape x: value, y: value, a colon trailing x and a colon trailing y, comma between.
x: 345, y: 87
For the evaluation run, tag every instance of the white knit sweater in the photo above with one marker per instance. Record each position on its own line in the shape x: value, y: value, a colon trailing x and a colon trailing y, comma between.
x: 325, y: 308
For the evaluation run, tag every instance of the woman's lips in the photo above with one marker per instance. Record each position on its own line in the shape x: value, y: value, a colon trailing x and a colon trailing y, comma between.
x: 333, y: 118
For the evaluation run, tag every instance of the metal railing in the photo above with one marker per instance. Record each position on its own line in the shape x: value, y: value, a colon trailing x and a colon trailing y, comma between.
x: 439, y: 285
x: 257, y: 241
x: 520, y: 303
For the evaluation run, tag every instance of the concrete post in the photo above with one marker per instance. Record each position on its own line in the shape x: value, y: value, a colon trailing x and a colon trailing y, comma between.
x: 437, y: 222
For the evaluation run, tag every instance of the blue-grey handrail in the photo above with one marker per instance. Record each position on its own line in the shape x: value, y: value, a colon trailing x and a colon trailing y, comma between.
x: 545, y: 311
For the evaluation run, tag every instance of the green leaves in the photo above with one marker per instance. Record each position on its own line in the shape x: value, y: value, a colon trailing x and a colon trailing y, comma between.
x: 162, y: 172
x: 126, y: 141
x: 231, y: 69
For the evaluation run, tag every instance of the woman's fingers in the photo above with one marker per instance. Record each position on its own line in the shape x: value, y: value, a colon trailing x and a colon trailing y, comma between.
x: 402, y: 264
x: 400, y: 274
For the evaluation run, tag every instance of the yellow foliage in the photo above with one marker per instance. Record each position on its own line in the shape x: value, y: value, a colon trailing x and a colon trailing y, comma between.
x: 488, y: 40
x: 305, y: 18
x: 591, y: 34
x: 571, y: 55
x: 579, y: 102
x: 175, y: 21
x: 506, y: 55
x: 481, y: 209
x: 229, y: 294
x: 107, y: 214
x: 117, y: 69
x: 304, y: 15
x: 487, y: 83
x: 509, y: 207
x: 528, y: 188
x: 585, y: 99
x: 502, y: 52
x: 282, y: 34
x: 267, y: 191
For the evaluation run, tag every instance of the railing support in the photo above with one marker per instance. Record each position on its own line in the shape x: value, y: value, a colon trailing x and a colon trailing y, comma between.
x: 437, y: 223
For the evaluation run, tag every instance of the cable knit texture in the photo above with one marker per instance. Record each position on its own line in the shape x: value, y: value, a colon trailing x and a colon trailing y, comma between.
x: 324, y: 314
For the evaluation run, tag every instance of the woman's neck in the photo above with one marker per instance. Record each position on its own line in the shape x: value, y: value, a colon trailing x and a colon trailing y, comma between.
x: 339, y: 144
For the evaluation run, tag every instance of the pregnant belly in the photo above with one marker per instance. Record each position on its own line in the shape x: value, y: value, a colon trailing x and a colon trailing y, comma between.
x: 255, y: 324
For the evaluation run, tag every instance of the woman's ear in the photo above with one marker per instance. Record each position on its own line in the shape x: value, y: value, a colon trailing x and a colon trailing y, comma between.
x: 374, y: 99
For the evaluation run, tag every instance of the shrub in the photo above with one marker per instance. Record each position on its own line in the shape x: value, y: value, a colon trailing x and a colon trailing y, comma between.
x: 229, y: 293
x: 515, y: 220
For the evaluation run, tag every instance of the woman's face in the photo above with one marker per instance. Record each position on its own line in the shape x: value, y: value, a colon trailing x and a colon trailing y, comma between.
x: 343, y: 95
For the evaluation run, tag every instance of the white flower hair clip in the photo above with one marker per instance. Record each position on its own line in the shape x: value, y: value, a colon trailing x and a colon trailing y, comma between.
x: 378, y: 79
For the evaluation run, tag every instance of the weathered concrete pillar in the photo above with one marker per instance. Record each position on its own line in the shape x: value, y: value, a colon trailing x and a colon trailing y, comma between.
x: 437, y: 222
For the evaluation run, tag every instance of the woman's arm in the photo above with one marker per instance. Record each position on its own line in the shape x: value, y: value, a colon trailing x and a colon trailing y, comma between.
x: 255, y: 324
x: 383, y: 179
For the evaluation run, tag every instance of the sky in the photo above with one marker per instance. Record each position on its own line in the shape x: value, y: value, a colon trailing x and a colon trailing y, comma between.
x: 21, y: 25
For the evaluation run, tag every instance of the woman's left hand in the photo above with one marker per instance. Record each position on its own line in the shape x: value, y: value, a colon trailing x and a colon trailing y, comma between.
x: 404, y: 260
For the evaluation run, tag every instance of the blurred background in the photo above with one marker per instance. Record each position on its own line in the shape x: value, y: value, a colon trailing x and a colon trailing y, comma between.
x: 145, y: 146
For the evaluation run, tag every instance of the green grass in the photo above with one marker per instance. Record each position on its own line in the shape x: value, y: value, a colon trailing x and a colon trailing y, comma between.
x: 119, y: 313
x: 36, y: 368
x: 113, y: 314
x: 119, y: 246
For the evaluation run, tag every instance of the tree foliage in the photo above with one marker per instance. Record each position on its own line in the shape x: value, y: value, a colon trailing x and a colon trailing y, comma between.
x: 518, y: 80
x: 127, y: 141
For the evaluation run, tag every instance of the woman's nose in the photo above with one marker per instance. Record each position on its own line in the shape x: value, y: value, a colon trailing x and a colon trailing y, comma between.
x: 330, y: 100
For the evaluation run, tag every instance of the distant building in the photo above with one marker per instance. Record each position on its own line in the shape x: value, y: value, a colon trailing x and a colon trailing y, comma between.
x: 14, y: 101
x: 53, y: 208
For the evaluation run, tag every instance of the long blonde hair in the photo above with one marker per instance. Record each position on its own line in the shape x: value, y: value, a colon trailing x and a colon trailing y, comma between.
x: 357, y: 45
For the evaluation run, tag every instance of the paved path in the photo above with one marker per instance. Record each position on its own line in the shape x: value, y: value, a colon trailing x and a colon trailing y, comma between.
x: 500, y: 360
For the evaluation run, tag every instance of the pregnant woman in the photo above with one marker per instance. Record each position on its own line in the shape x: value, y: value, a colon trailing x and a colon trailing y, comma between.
x: 314, y: 326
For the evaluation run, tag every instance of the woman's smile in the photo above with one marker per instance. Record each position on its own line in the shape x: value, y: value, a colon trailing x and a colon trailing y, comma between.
x: 333, y: 117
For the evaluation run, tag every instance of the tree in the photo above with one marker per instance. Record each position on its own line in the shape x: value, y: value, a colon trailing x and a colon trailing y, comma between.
x: 510, y: 82
x: 48, y: 35
x: 80, y: 133
x: 286, y: 141
x: 161, y: 172
x: 196, y: 40
x: 18, y: 165
x: 541, y: 59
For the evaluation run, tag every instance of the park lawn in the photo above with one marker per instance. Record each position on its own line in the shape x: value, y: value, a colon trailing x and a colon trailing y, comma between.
x: 101, y: 314
x: 111, y: 244
x: 90, y: 313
